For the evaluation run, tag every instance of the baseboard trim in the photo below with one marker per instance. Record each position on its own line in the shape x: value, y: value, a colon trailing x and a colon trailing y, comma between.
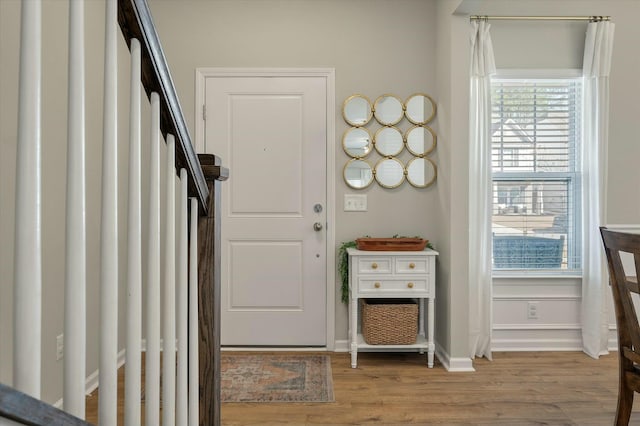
x: 274, y: 349
x: 341, y: 346
x: 543, y: 337
x: 529, y: 327
x: 454, y: 365
x: 536, y: 345
x: 92, y: 381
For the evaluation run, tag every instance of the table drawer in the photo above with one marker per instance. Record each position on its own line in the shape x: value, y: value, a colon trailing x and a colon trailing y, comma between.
x: 411, y: 264
x: 374, y: 265
x: 405, y: 287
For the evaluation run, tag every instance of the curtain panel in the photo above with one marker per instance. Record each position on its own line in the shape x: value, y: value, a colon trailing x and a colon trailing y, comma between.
x: 480, y: 280
x: 596, y: 67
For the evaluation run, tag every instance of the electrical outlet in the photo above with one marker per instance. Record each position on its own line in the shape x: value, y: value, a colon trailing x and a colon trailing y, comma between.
x: 59, y: 347
x: 355, y: 202
x: 532, y: 310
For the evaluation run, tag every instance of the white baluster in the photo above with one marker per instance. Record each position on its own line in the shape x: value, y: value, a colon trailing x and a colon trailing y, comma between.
x: 182, y: 297
x: 194, y: 373
x: 169, y: 311
x: 108, y: 396
x: 152, y: 356
x: 132, y: 383
x: 76, y: 278
x: 28, y: 245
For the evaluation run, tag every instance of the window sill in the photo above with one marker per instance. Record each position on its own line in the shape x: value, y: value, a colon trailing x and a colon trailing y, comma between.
x: 570, y: 275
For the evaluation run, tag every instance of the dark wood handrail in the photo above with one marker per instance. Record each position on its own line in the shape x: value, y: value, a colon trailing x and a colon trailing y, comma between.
x: 27, y: 410
x: 136, y: 22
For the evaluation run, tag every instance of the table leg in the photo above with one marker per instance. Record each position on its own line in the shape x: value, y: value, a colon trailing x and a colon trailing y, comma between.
x: 421, y: 321
x: 353, y: 330
x: 430, y: 328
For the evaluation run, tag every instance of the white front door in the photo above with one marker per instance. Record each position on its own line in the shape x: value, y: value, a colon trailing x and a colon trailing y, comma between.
x: 271, y: 132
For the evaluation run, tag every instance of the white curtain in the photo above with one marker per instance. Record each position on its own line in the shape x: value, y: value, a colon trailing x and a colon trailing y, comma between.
x: 597, y: 63
x: 480, y: 294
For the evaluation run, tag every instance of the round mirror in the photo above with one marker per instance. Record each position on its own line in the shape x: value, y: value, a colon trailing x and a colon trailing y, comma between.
x: 356, y: 142
x: 420, y: 108
x: 421, y: 172
x: 388, y: 141
x: 389, y: 172
x: 421, y: 140
x: 356, y: 110
x: 357, y: 173
x: 388, y: 110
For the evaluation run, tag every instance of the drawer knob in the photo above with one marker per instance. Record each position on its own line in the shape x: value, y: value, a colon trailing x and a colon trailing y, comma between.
x: 410, y: 285
x: 412, y: 265
x: 376, y: 285
x: 374, y: 265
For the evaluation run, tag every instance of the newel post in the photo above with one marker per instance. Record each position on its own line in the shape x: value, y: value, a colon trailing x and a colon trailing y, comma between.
x: 209, y: 292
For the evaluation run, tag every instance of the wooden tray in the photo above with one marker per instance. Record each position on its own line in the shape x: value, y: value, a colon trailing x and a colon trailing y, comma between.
x: 391, y: 244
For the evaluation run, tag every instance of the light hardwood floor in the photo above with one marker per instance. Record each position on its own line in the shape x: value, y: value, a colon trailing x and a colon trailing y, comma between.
x: 516, y: 388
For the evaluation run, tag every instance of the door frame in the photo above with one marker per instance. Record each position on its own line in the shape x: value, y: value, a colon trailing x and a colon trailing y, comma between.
x: 329, y: 75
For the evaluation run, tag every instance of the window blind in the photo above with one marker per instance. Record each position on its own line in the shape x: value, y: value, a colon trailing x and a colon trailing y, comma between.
x: 536, y: 173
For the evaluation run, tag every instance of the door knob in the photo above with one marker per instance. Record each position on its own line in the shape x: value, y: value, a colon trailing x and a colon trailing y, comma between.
x: 317, y: 226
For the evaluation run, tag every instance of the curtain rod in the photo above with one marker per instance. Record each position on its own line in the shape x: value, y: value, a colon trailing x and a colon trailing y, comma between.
x: 541, y: 18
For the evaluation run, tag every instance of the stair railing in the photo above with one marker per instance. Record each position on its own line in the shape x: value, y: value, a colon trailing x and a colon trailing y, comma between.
x: 184, y: 307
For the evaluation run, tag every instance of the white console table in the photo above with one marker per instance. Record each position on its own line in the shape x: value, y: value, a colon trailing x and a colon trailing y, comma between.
x: 393, y: 274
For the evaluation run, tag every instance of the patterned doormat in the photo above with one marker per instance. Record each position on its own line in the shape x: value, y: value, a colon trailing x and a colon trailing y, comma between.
x: 276, y: 378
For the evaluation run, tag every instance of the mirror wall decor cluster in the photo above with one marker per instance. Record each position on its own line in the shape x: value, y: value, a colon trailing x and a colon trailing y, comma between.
x: 389, y: 141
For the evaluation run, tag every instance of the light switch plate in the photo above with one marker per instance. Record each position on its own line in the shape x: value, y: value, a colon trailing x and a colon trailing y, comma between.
x: 355, y: 203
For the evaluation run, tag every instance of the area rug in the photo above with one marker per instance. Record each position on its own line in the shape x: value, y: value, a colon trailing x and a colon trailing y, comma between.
x: 276, y: 378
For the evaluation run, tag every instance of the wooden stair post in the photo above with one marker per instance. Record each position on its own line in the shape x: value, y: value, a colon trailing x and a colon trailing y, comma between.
x: 209, y: 292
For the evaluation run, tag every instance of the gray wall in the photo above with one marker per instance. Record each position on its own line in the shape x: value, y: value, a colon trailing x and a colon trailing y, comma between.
x: 375, y: 47
x: 452, y: 304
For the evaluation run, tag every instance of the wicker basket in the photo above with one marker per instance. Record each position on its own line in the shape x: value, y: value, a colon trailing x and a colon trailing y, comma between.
x: 389, y: 321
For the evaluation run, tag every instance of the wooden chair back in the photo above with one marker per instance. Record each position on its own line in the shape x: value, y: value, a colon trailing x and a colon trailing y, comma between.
x: 628, y: 330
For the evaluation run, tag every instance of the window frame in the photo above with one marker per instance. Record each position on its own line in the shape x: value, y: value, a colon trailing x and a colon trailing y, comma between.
x: 572, y: 177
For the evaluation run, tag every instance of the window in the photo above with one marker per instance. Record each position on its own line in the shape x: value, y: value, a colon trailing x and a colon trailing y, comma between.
x: 536, y: 173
